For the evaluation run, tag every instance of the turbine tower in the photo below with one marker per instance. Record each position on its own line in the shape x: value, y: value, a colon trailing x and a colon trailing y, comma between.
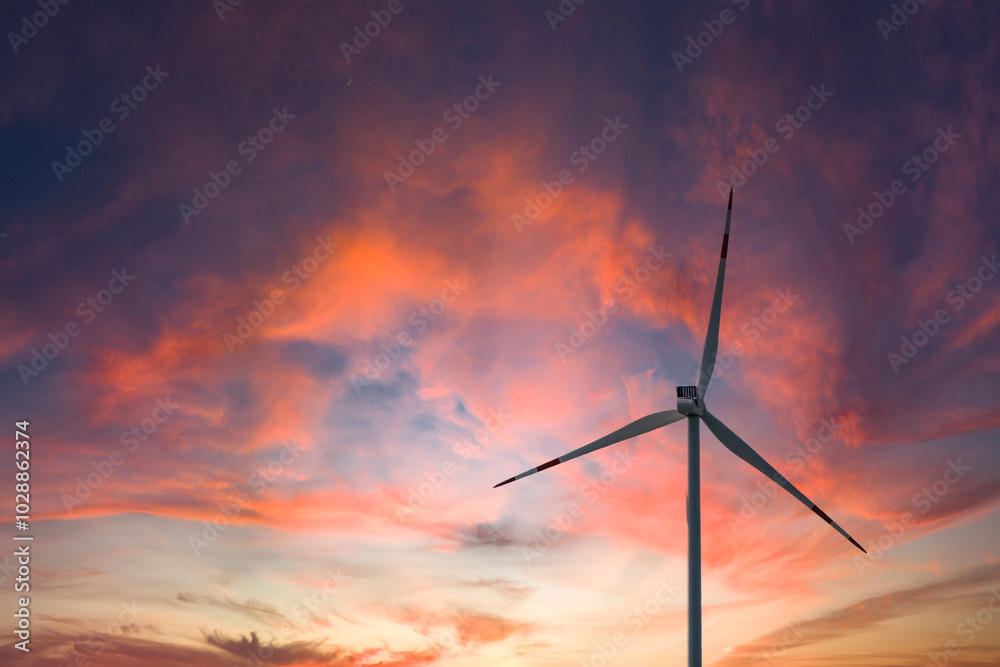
x: 691, y: 404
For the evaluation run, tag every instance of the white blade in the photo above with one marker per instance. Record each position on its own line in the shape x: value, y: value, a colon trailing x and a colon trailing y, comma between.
x: 745, y: 452
x: 638, y: 427
x: 712, y: 336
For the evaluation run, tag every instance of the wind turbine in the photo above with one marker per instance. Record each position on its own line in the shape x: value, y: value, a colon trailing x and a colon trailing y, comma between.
x: 691, y: 404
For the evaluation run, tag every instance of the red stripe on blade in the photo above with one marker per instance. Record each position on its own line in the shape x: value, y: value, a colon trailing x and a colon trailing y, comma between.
x: 725, y: 245
x: 546, y: 466
x: 822, y: 514
x: 506, y: 481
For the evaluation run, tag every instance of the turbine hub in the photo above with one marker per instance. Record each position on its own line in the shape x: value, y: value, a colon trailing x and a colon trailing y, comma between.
x: 688, y: 401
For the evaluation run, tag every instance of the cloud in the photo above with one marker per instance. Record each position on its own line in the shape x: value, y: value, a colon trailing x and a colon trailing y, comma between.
x: 966, y: 590
x: 505, y: 587
x: 251, y: 608
x: 292, y: 653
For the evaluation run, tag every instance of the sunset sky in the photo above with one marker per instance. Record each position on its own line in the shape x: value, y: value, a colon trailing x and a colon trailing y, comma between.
x: 283, y: 300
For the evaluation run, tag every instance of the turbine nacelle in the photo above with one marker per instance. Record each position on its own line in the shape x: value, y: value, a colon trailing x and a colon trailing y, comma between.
x: 689, y: 403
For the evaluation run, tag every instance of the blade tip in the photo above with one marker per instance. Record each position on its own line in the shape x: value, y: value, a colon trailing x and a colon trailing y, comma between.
x: 730, y: 199
x: 506, y: 481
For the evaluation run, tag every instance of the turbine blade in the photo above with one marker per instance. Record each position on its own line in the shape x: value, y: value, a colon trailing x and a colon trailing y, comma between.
x: 745, y: 452
x: 638, y: 427
x: 712, y: 335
